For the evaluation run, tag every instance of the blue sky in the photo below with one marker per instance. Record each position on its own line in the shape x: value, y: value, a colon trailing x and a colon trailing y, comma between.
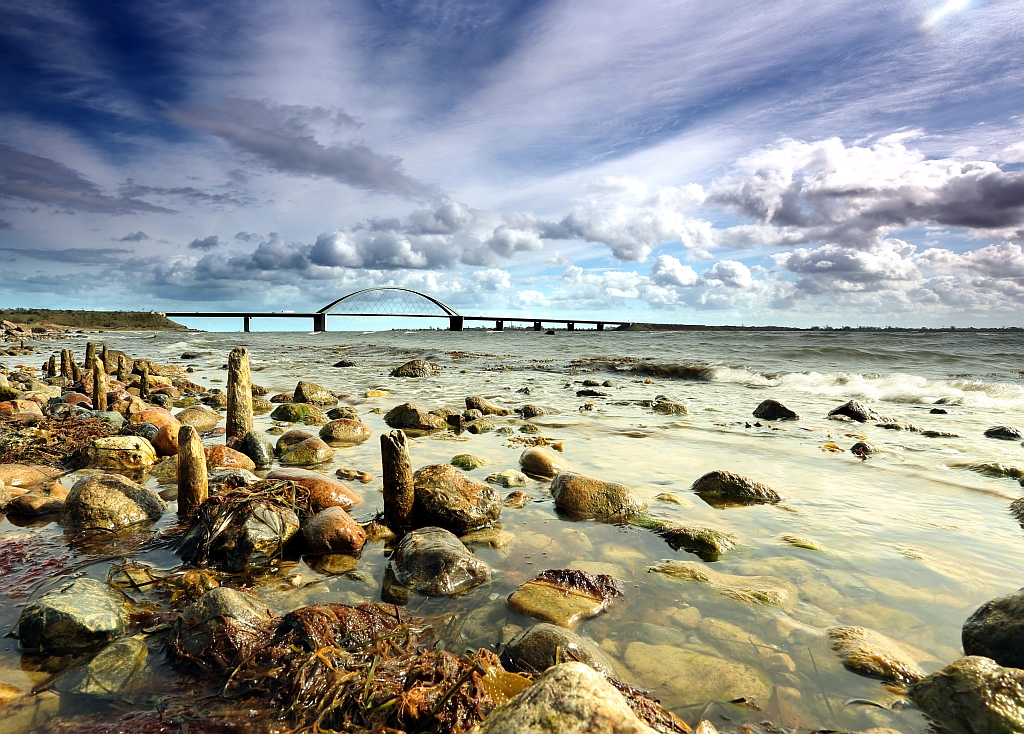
x: 795, y: 162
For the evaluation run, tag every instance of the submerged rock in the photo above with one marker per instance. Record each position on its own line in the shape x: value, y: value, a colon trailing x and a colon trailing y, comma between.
x: 223, y: 628
x: 417, y: 368
x: 109, y: 674
x: 324, y: 491
x: 973, y: 695
x: 308, y: 453
x: 540, y: 461
x: 517, y: 499
x: 707, y: 543
x: 127, y: 453
x: 531, y: 411
x: 863, y: 449
x: 433, y: 562
x: 345, y: 432
x: 409, y: 416
x: 508, y: 478
x: 869, y: 653
x: 667, y: 406
x: 310, y: 392
x: 537, y: 648
x: 333, y: 531
x: 447, y: 498
x: 586, y: 497
x: 299, y: 413
x: 79, y: 617
x: 564, y: 597
x: 996, y: 630
x: 1004, y: 433
x: 110, y: 502
x: 685, y: 677
x: 855, y: 410
x: 486, y: 407
x: 468, y: 462
x: 773, y: 410
x: 44, y: 499
x: 722, y: 489
x: 748, y: 589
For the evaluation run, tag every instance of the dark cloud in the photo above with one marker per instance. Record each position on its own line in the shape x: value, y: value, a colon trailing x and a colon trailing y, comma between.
x: 72, y: 255
x: 248, y: 237
x: 188, y: 194
x: 282, y: 138
x: 33, y: 178
x: 134, y: 237
x: 207, y: 243
x: 4, y: 224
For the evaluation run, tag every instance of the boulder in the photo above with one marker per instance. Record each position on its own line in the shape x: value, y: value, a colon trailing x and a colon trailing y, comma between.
x: 324, y: 491
x: 722, y: 489
x: 531, y: 411
x: 872, y: 654
x: 748, y: 589
x: 417, y: 368
x: 310, y: 452
x: 345, y: 432
x: 236, y: 536
x: 1004, y: 433
x: 259, y: 448
x: 227, y: 458
x: 508, y: 478
x: 571, y: 698
x: 23, y: 476
x: 973, y: 695
x: 157, y: 416
x: 299, y: 413
x: 18, y: 407
x: 408, y: 416
x: 537, y: 648
x: 291, y: 438
x: 996, y: 630
x: 447, y: 498
x: 109, y: 674
x: 468, y: 462
x: 683, y: 677
x: 110, y: 502
x: 476, y: 402
x: 200, y: 418
x: 564, y: 596
x: 586, y: 497
x: 773, y: 410
x: 666, y: 406
x: 77, y: 618
x: 166, y: 440
x: 223, y: 628
x: 433, y: 562
x: 855, y: 410
x: 540, y: 461
x: 333, y: 531
x: 310, y: 392
x: 44, y: 499
x: 127, y: 453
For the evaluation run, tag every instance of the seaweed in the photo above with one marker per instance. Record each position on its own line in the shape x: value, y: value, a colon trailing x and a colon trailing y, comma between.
x: 25, y: 562
x: 600, y: 586
x: 53, y: 442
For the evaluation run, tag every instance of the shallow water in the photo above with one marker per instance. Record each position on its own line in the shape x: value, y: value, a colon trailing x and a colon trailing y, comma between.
x: 911, y: 541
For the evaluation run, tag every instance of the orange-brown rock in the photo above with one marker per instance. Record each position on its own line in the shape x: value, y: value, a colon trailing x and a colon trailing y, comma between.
x: 333, y: 531
x: 324, y: 491
x: 14, y: 407
x: 44, y: 499
x: 157, y: 416
x: 166, y: 440
x: 227, y: 458
x: 77, y: 398
x: 19, y: 477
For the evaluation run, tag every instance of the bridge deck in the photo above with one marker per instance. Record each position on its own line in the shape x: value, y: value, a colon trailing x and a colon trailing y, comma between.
x: 455, y: 322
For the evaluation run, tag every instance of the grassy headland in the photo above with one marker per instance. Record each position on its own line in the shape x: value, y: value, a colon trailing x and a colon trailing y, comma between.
x: 91, y: 320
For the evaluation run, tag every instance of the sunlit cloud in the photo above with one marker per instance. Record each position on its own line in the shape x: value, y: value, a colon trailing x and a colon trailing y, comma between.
x: 940, y: 14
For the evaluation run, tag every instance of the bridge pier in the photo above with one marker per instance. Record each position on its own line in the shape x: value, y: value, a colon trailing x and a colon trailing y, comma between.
x: 499, y: 325
x: 319, y: 322
x: 456, y: 323
x: 536, y: 326
x: 600, y: 326
x: 246, y: 320
x: 570, y: 326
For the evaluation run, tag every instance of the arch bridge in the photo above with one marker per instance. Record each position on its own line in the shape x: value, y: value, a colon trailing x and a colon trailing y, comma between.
x: 389, y: 301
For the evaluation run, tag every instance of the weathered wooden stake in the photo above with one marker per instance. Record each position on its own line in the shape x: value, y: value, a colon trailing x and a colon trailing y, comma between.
x: 100, y: 385
x: 144, y: 381
x: 192, y: 478
x: 105, y: 355
x: 122, y: 369
x: 90, y: 354
x: 76, y: 371
x: 239, y: 421
x: 51, y: 366
x: 65, y: 363
x: 398, y: 486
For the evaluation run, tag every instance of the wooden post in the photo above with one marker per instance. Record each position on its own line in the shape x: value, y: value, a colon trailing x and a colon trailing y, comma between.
x: 122, y: 369
x: 192, y: 478
x: 65, y: 363
x: 76, y: 371
x: 51, y: 366
x: 239, y: 421
x: 399, y: 491
x: 90, y: 354
x: 144, y: 381
x: 100, y: 385
x: 105, y: 356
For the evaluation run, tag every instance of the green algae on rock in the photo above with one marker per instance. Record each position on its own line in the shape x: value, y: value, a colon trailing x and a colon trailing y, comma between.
x: 748, y: 589
x: 564, y: 597
x: 78, y: 617
x: 869, y: 653
x: 586, y: 497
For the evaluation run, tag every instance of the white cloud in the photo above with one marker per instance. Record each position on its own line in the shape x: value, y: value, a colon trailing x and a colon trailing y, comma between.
x: 668, y: 271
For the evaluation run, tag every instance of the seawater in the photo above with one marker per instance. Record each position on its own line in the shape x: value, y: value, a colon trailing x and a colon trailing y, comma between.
x: 909, y: 542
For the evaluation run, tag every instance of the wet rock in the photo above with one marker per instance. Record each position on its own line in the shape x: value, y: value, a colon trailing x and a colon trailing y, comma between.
x: 200, y: 418
x: 261, y: 406
x: 44, y: 499
x: 345, y: 432
x: 666, y: 406
x: 343, y: 411
x: 127, y: 453
x: 408, y: 416
x: 871, y: 654
x: 489, y: 538
x: 722, y: 489
x: 572, y: 698
x: 684, y: 676
x: 290, y: 439
x: 539, y: 461
x: 773, y: 410
x: 228, y: 458
x: 564, y: 597
x: 298, y: 413
x: 228, y: 479
x: 589, y: 393
x: 996, y: 630
x: 748, y: 589
x: 517, y: 499
x: 531, y: 411
x: 433, y: 562
x: 166, y: 440
x: 333, y: 531
x: 347, y: 472
x: 1004, y: 433
x: 157, y: 416
x: 236, y: 536
x: 417, y: 368
x: 447, y: 498
x: 18, y: 407
x: 468, y: 462
x: 116, y: 420
x: 973, y: 695
x: 480, y: 425
x: 344, y: 363
x: 586, y: 497
x: 77, y: 618
x: 223, y: 628
x: 537, y: 648
x: 508, y: 478
x: 855, y: 410
x: 23, y: 476
x: 705, y: 542
x: 310, y: 452
x: 215, y: 399
x: 524, y: 391
x: 324, y: 491
x: 486, y: 407
x: 863, y: 449
x: 110, y: 502
x: 673, y: 499
x: 110, y: 673
x: 376, y: 392
x: 310, y: 392
x: 259, y: 448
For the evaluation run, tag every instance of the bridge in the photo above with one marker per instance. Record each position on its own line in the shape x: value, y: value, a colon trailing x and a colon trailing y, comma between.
x: 395, y: 302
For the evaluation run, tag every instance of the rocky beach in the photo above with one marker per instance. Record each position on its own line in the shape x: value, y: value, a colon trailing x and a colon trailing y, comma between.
x: 511, y: 532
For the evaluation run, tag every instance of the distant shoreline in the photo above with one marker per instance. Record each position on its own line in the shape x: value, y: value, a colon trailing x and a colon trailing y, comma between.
x: 49, y: 320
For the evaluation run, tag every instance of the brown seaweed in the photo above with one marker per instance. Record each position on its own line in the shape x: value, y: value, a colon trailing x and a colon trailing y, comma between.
x: 599, y: 586
x: 54, y: 442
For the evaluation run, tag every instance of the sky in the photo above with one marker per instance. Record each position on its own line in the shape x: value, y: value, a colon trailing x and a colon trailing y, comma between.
x: 794, y: 162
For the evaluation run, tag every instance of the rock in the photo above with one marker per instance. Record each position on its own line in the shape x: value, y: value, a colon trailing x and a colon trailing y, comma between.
x: 539, y: 461
x: 531, y: 411
x: 237, y: 536
x: 476, y: 402
x: 333, y: 531
x: 228, y: 458
x: 537, y: 648
x: 290, y: 439
x: 116, y: 420
x: 869, y: 653
x: 517, y: 499
x: 345, y: 432
x: 324, y: 491
x: 77, y: 618
x: 586, y: 497
x: 344, y: 363
x: 508, y: 478
x: 110, y: 502
x: 674, y: 499
x: 973, y: 695
x: 223, y: 628
x: 995, y: 469
x: 110, y: 673
x: 376, y: 392
x: 684, y: 677
x: 863, y: 449
x: 748, y: 589
x: 478, y: 426
x: 773, y: 410
x: 666, y: 406
x: 259, y: 448
x: 705, y: 542
x: 166, y: 440
x: 298, y: 413
x: 261, y: 406
x: 722, y: 489
x: 18, y: 407
x: 309, y: 452
x: 408, y: 416
x: 283, y: 397
x: 996, y: 630
x: 855, y: 410
x: 23, y: 476
x: 417, y: 368
x: 127, y: 453
x: 310, y: 392
x: 44, y: 499
x: 564, y: 597
x: 468, y: 462
x: 157, y: 416
x: 571, y: 698
x: 343, y: 411
x: 489, y: 538
x: 228, y: 479
x: 1004, y: 433
x: 433, y: 562
x: 200, y: 418
x: 447, y: 498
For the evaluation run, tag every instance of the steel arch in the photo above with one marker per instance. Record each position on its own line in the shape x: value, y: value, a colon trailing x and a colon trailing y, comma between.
x: 448, y: 311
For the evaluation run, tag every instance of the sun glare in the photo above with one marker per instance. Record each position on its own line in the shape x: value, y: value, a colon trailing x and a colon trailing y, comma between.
x: 951, y: 6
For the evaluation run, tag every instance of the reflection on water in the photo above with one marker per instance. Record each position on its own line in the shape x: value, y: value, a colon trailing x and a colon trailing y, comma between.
x: 908, y: 542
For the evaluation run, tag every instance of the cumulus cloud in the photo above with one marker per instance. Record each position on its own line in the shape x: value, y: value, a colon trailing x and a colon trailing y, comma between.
x: 730, y: 273
x: 138, y: 236
x: 207, y: 243
x: 668, y: 271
